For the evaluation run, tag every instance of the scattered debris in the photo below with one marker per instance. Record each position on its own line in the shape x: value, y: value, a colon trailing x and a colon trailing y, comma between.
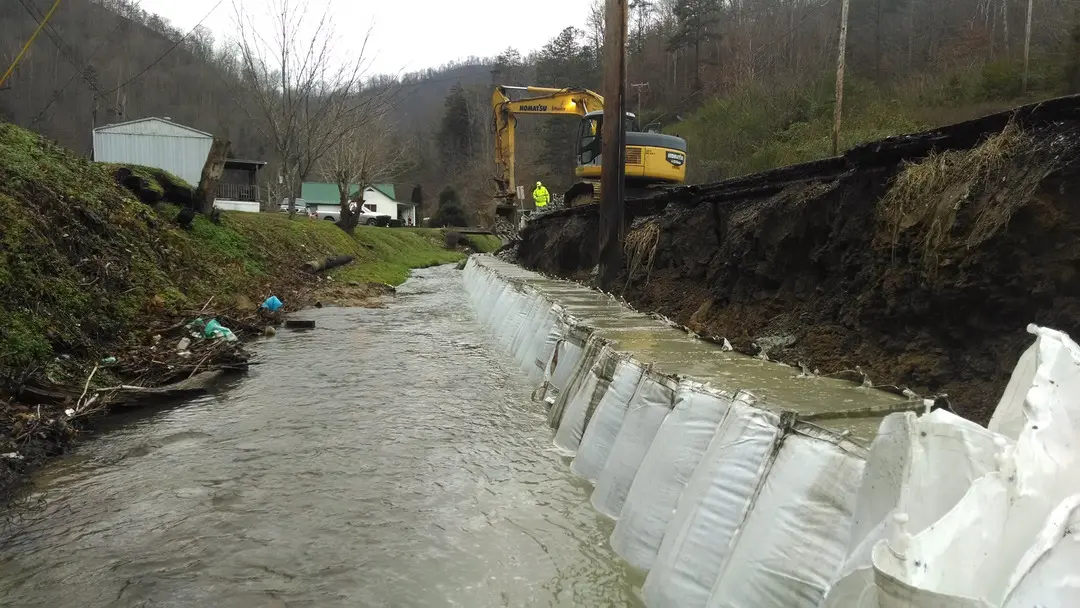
x: 273, y: 304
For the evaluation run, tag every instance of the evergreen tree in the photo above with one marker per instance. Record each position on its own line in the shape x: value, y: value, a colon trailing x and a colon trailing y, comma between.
x: 456, y: 135
x: 563, y: 62
x: 509, y: 68
x: 696, y: 23
x: 450, y: 212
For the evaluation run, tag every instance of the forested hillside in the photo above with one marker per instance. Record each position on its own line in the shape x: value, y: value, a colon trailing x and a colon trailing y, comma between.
x: 749, y: 83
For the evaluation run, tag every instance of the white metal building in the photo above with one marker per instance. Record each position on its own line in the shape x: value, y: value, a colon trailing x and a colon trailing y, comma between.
x: 155, y: 142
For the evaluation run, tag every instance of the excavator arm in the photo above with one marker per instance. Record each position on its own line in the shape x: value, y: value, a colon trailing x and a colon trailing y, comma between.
x: 539, y: 100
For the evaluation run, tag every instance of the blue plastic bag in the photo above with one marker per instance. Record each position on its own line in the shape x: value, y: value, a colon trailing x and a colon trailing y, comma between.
x: 273, y: 304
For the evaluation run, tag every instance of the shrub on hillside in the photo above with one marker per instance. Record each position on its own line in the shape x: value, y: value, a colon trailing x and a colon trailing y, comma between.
x: 450, y: 211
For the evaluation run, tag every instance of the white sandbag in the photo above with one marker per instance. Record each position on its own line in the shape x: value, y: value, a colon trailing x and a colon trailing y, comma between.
x: 586, y: 397
x: 675, y: 452
x: 538, y: 351
x: 517, y: 308
x: 578, y: 375
x: 792, y: 541
x: 565, y: 355
x: 500, y: 309
x: 603, y: 426
x: 644, y: 416
x: 1008, y: 418
x: 921, y: 466
x: 536, y: 309
x: 713, y: 506
x: 1050, y: 569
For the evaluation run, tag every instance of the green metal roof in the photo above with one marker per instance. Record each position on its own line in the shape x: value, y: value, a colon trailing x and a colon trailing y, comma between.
x: 322, y: 192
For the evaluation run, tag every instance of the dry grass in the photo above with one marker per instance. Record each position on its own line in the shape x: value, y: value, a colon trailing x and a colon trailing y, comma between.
x: 640, y: 250
x: 930, y: 194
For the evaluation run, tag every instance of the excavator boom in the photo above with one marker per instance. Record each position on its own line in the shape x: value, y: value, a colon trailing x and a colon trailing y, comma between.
x: 651, y: 158
x: 539, y: 100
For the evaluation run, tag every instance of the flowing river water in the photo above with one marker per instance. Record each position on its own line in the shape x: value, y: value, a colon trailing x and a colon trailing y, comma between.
x: 387, y: 458
x: 390, y: 457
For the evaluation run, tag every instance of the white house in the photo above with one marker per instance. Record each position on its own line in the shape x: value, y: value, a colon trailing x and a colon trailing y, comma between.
x: 325, y: 198
x: 376, y: 200
x: 155, y: 142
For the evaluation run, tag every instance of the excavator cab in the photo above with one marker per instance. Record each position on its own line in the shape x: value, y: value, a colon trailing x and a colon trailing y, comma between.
x: 589, y: 144
x: 652, y: 159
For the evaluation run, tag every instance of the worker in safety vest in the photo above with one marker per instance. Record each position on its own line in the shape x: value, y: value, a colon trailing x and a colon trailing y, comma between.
x: 541, y: 197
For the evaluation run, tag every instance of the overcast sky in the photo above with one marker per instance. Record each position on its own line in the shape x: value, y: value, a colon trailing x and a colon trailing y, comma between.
x: 410, y: 35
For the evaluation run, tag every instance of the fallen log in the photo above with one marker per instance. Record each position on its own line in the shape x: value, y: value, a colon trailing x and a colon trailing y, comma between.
x: 316, y: 266
x: 127, y: 396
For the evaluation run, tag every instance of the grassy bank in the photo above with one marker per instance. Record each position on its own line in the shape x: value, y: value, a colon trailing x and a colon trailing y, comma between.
x: 762, y: 126
x: 89, y: 273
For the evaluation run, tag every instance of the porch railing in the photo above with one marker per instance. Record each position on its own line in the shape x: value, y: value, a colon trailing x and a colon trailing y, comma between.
x: 239, y: 192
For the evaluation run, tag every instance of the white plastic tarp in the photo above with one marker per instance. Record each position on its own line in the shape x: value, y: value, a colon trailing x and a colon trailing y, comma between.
x: 920, y: 466
x: 644, y: 416
x: 1009, y: 523
x: 606, y: 421
x: 713, y: 506
x: 792, y: 541
x: 673, y: 456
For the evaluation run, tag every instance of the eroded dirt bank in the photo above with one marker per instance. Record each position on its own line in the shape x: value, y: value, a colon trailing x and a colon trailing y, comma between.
x: 921, y: 259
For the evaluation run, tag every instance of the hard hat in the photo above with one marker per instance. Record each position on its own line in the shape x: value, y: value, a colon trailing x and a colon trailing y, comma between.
x: 537, y: 184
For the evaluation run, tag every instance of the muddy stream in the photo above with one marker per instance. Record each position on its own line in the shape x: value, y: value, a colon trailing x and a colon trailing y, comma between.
x: 388, y: 458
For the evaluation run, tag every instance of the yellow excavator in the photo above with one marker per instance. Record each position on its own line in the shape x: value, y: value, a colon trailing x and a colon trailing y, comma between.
x: 652, y: 159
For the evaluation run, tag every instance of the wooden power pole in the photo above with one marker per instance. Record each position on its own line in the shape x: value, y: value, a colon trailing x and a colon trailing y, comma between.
x: 841, y: 62
x: 613, y: 145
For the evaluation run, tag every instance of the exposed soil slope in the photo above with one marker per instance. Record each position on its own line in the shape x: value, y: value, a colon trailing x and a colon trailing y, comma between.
x: 920, y: 258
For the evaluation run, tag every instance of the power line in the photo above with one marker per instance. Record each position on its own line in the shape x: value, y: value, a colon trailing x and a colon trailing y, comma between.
x: 69, y: 55
x: 79, y: 72
x: 166, y: 53
x: 30, y: 41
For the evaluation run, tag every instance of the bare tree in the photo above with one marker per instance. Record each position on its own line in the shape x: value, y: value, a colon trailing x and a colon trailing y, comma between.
x: 296, y: 86
x: 369, y: 152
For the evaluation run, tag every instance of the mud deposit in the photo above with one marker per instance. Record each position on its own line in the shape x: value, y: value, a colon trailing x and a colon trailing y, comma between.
x: 920, y: 259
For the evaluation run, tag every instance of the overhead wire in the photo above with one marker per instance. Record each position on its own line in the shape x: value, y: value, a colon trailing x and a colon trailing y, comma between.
x: 30, y: 41
x: 167, y: 52
x: 68, y: 53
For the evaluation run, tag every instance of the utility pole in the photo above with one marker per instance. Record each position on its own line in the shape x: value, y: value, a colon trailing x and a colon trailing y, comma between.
x: 638, y: 87
x: 840, y: 64
x: 1027, y: 45
x: 613, y: 145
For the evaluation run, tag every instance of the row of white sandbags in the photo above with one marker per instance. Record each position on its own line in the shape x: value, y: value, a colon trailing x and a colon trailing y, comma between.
x: 725, y: 503
x: 977, y: 518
